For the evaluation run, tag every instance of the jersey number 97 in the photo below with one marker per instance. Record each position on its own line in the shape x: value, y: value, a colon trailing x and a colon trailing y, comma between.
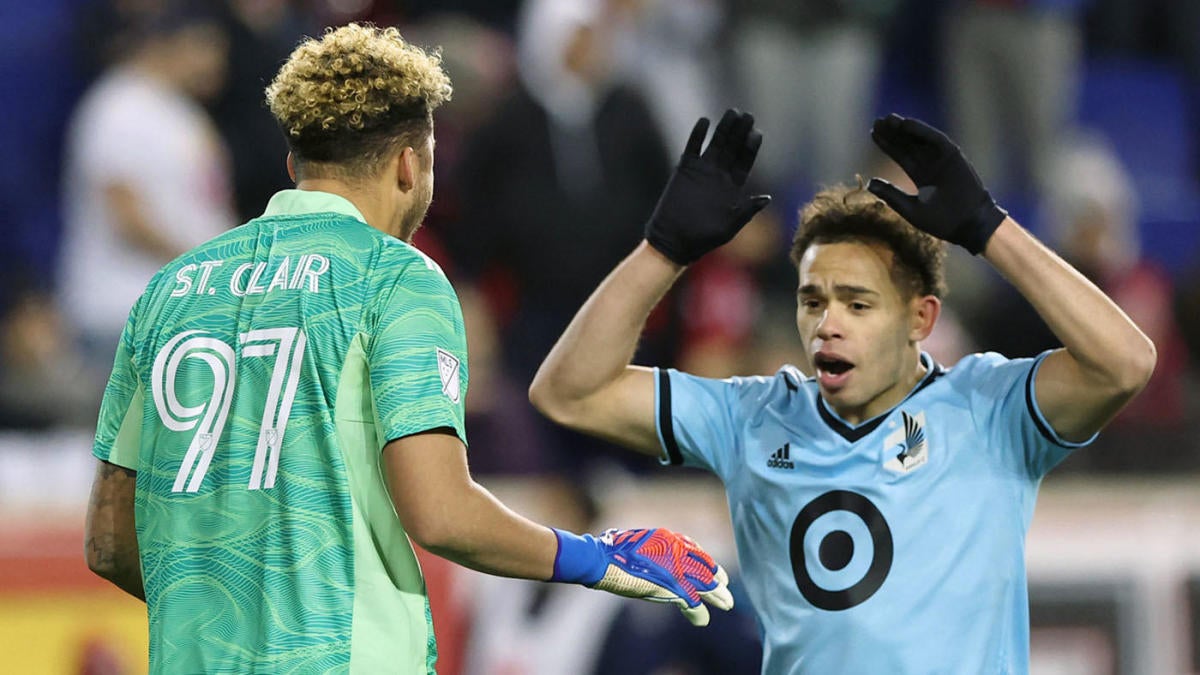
x: 207, y: 420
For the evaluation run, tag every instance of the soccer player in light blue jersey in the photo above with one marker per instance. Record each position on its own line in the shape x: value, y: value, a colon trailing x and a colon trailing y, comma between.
x: 879, y: 507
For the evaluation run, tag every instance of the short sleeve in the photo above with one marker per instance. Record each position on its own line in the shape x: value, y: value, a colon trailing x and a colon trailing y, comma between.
x: 417, y: 357
x: 1004, y: 401
x: 119, y: 430
x: 695, y: 419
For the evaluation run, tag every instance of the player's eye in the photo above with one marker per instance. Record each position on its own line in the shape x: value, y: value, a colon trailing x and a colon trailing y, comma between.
x: 859, y: 306
x: 810, y: 303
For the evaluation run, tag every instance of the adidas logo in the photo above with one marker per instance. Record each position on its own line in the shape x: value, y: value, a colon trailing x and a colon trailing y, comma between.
x: 781, y: 458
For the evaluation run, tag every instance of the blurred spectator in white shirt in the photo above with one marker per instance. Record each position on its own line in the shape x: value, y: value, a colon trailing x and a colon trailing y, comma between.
x: 146, y: 173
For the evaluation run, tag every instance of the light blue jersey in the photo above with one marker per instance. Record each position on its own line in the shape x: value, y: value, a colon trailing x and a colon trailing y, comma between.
x: 895, y: 546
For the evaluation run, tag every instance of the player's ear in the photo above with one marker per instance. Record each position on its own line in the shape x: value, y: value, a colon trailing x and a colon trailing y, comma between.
x: 291, y: 167
x: 408, y: 167
x: 924, y: 311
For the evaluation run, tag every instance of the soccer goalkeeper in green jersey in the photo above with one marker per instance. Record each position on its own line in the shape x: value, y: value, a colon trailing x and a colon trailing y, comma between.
x: 286, y: 412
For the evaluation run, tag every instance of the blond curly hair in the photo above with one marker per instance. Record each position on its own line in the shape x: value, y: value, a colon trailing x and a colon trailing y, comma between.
x: 356, y: 95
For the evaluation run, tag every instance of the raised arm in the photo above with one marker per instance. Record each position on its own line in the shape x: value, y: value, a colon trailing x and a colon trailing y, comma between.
x: 1107, y: 360
x: 587, y: 382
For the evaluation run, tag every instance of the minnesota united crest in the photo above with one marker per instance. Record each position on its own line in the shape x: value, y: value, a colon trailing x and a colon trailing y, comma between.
x: 905, y: 449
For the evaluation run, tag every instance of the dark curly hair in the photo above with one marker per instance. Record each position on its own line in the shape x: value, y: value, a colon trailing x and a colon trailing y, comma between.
x: 850, y: 213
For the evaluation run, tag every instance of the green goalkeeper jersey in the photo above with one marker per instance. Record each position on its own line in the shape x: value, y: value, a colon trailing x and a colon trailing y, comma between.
x: 256, y: 382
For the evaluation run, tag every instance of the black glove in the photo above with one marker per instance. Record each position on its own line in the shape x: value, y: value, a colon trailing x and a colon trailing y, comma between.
x: 703, y: 206
x: 951, y: 202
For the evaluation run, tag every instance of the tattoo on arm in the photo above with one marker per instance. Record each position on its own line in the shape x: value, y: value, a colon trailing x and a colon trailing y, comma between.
x: 111, y: 540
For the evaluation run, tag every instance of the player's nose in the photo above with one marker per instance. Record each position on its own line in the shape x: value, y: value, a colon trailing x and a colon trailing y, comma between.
x: 830, y: 326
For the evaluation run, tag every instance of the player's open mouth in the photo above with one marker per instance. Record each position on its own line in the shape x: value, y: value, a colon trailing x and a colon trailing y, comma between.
x: 832, y: 371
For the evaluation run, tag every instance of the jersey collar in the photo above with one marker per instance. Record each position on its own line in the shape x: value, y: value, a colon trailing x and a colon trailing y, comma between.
x: 300, y: 202
x: 933, y: 371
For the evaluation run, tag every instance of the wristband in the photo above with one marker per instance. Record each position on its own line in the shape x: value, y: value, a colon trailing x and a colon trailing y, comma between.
x: 579, y: 559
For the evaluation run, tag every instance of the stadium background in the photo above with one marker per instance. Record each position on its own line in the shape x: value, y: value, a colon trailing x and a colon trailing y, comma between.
x: 1114, y: 565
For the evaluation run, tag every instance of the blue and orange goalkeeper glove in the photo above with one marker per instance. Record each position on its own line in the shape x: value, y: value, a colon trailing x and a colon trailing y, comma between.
x: 657, y: 565
x: 951, y: 202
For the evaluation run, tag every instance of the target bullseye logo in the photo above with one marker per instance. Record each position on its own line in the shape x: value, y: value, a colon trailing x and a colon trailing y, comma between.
x: 853, y: 550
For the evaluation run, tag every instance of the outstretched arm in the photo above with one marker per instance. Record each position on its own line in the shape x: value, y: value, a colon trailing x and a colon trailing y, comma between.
x: 445, y: 511
x: 587, y: 382
x: 1106, y: 361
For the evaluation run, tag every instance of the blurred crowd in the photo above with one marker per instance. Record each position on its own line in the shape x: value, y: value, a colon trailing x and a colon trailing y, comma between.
x: 141, y: 131
x: 137, y: 129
